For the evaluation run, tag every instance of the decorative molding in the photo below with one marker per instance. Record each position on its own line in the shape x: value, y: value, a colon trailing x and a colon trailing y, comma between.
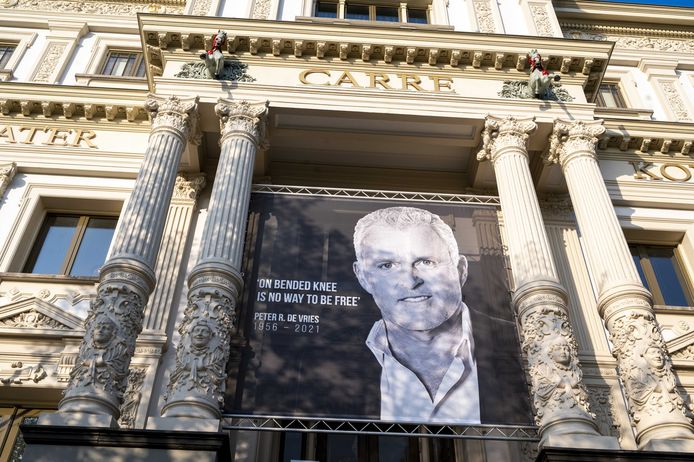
x: 17, y: 374
x: 35, y: 313
x: 519, y: 89
x: 49, y: 62
x: 7, y: 173
x: 132, y: 397
x: 32, y: 319
x: 233, y: 70
x: 91, y: 7
x: 631, y: 42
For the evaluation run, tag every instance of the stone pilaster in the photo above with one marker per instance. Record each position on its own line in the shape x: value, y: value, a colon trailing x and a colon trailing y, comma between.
x: 7, y: 173
x: 645, y: 368
x: 197, y: 384
x: 99, y: 378
x: 559, y: 396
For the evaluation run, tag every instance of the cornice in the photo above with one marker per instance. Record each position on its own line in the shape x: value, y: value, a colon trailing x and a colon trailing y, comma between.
x: 165, y: 36
x: 71, y: 102
x: 642, y: 137
x: 627, y: 30
x: 620, y: 13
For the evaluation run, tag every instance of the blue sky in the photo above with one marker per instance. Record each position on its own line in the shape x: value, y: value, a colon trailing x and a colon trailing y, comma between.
x: 689, y: 3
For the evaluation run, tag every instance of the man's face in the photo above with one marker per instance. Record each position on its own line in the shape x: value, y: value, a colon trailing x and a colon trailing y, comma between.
x: 410, y: 275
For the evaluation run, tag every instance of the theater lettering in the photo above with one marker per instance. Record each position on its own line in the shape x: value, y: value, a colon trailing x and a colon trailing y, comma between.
x: 400, y: 81
x: 47, y: 136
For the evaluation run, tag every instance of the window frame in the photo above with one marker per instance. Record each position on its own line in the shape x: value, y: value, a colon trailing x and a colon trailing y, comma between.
x: 651, y: 277
x: 22, y: 40
x: 617, y: 94
x: 139, y: 62
x: 403, y: 11
x: 75, y: 242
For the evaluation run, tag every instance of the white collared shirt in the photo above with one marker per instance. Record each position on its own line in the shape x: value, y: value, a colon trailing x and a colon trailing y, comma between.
x: 404, y: 397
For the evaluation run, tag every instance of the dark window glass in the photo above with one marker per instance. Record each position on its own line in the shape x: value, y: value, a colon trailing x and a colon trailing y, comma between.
x: 386, y: 13
x: 661, y: 274
x: 610, y: 96
x: 70, y: 244
x: 292, y: 446
x: 417, y: 16
x: 124, y: 64
x: 326, y: 10
x: 5, y: 54
x: 360, y: 12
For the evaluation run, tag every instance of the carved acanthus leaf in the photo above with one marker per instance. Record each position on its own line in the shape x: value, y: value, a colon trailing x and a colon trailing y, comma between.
x: 244, y: 117
x: 32, y: 319
x: 233, y: 70
x: 519, y: 89
x: 188, y: 186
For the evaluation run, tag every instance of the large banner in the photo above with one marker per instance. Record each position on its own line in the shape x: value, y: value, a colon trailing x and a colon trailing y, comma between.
x: 377, y: 309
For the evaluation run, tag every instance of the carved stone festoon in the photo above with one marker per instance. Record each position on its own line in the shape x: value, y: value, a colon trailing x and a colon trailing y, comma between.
x: 559, y: 395
x: 658, y: 412
x: 7, y: 172
x: 197, y: 384
x: 99, y: 377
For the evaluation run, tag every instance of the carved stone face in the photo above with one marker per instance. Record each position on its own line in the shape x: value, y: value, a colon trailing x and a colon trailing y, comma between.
x: 103, y: 332
x: 200, y: 336
x: 560, y: 353
x: 654, y: 357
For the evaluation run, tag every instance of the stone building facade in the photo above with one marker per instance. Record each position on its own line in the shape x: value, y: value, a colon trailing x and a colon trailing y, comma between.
x: 126, y: 172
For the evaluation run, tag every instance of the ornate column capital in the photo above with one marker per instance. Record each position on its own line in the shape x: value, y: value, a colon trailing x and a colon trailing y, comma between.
x: 501, y: 133
x: 7, y: 172
x: 174, y: 115
x: 572, y: 139
x: 188, y: 186
x: 242, y: 118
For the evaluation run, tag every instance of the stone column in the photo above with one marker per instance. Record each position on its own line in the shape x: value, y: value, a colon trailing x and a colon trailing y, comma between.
x: 99, y: 377
x: 197, y: 384
x: 645, y: 368
x: 559, y: 396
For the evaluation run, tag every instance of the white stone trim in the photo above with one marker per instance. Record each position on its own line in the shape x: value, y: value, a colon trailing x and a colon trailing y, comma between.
x: 22, y: 40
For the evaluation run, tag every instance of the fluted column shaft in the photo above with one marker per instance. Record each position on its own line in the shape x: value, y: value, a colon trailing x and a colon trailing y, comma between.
x: 559, y: 396
x: 196, y: 386
x: 625, y: 305
x: 126, y: 280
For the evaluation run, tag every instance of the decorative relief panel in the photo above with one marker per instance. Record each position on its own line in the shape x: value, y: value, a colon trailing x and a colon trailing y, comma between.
x: 261, y: 9
x: 132, y: 397
x: 17, y: 374
x: 7, y: 173
x: 32, y: 319
x: 89, y: 7
x: 543, y: 24
x: 636, y: 42
x: 201, y: 8
x: 674, y: 99
x: 484, y: 16
x: 49, y: 62
x: 602, y: 405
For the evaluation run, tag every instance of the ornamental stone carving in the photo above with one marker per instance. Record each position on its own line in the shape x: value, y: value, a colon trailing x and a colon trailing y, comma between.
x: 645, y: 368
x: 243, y: 118
x: 556, y: 378
x: 635, y: 42
x: 674, y: 99
x: 261, y: 9
x: 7, y: 173
x: 541, y: 19
x: 233, y: 70
x: 17, y: 374
x: 90, y: 7
x: 113, y: 323
x: 187, y: 187
x: 571, y: 139
x: 602, y: 404
x: 49, y: 61
x: 32, y: 319
x: 173, y: 114
x: 132, y: 397
x: 500, y: 133
x: 519, y: 89
x: 203, y: 351
x: 201, y: 8
x: 686, y: 354
x: 484, y: 16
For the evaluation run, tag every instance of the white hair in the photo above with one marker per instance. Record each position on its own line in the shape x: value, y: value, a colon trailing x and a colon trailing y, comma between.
x: 402, y: 218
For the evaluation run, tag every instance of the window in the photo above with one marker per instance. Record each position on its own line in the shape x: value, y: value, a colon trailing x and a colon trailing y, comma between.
x: 610, y: 96
x: 6, y: 51
x: 367, y: 12
x: 124, y: 64
x: 11, y: 442
x: 73, y: 245
x: 662, y: 274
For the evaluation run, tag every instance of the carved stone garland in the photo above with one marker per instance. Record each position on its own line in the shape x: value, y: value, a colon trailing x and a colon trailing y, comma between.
x: 7, y: 173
